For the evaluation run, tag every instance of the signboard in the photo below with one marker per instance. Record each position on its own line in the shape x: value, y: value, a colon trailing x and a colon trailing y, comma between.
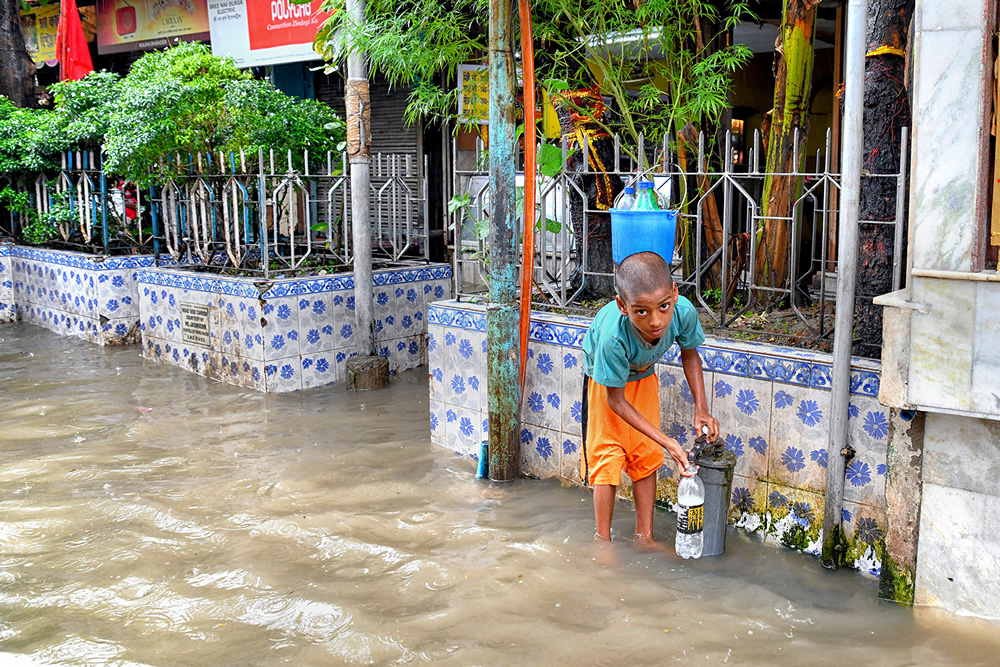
x: 474, y: 93
x: 39, y: 27
x: 194, y: 324
x: 265, y: 32
x: 129, y: 25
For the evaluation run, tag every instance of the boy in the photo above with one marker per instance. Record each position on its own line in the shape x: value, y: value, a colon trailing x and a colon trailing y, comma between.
x: 622, y: 392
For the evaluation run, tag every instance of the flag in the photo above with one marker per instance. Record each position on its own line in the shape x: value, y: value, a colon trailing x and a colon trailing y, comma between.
x: 71, y: 44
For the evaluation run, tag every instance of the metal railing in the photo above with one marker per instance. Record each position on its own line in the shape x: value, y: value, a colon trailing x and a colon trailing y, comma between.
x: 722, y: 278
x: 227, y: 212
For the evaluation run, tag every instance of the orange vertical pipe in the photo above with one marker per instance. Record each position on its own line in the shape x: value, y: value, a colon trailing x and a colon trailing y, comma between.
x: 530, y: 142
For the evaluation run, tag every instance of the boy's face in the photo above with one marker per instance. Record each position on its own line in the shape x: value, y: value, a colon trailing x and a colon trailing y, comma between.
x: 650, y: 313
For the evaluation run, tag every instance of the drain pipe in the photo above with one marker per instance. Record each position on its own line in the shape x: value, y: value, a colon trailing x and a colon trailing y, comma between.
x: 847, y: 267
x: 502, y: 363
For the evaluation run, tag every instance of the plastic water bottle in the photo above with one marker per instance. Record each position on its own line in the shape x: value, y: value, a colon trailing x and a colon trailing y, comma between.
x: 690, y: 538
x: 646, y: 199
x: 626, y: 200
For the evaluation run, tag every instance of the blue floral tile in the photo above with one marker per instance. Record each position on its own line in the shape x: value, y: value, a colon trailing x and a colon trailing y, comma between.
x: 411, y: 351
x: 438, y: 422
x: 283, y: 374
x: 228, y: 330
x: 677, y: 401
x: 462, y: 386
x: 463, y: 430
x: 340, y: 358
x: 343, y: 328
x: 868, y: 434
x: 800, y: 423
x: 541, y: 451
x: 319, y: 369
x: 542, y: 402
x: 794, y: 517
x: 865, y: 529
x: 572, y: 390
x: 317, y: 321
x: 281, y: 332
x: 571, y: 451
x: 436, y: 290
x: 436, y: 362
x: 748, y: 503
x: 743, y: 407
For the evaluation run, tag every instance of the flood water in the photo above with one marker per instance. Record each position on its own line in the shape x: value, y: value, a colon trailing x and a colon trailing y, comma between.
x: 152, y: 517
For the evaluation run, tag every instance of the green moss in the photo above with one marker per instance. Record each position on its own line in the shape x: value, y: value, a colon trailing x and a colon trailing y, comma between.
x: 796, y: 538
x: 896, y: 582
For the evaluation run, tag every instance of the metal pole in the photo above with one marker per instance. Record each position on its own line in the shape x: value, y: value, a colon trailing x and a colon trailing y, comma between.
x: 359, y: 153
x: 503, y: 366
x: 847, y: 252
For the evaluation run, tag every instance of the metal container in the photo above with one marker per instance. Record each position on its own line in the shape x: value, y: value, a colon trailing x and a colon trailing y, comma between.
x: 716, y: 472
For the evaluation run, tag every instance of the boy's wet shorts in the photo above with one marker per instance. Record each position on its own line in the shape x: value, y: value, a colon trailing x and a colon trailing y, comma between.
x: 611, y: 445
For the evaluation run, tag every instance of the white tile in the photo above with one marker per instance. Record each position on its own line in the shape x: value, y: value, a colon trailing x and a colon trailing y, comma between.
x: 958, y: 560
x: 941, y: 344
x: 947, y: 110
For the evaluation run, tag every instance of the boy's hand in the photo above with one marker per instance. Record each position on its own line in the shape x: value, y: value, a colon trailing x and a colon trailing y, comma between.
x: 705, y: 419
x: 679, y: 456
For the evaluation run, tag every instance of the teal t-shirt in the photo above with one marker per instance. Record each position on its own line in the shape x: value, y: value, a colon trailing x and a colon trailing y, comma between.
x: 614, y: 353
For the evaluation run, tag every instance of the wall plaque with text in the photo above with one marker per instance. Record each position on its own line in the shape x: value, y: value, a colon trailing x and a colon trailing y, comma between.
x: 195, y: 319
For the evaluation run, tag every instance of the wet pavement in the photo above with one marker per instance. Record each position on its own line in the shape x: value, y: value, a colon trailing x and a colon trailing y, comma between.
x: 149, y: 516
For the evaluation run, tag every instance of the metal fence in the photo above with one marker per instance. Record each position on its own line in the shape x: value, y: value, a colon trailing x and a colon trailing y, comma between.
x: 227, y: 212
x: 720, y: 239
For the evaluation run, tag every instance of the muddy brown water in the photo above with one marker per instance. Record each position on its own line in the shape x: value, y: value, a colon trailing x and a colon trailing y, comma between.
x: 152, y: 517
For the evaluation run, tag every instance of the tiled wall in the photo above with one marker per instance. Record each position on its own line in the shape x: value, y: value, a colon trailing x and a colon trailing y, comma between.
x: 75, y: 294
x: 773, y: 405
x: 296, y: 334
x: 7, y: 307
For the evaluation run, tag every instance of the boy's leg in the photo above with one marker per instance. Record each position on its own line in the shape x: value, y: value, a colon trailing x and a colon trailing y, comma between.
x: 644, y: 492
x: 604, y: 508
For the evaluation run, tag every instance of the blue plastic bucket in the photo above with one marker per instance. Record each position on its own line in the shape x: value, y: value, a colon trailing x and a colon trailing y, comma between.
x: 642, y: 231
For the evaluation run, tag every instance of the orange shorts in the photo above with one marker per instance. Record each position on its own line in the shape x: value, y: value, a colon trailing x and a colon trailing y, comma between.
x: 611, y: 445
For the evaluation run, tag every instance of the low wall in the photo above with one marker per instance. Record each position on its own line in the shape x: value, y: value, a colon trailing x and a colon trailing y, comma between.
x: 76, y: 294
x: 283, y: 335
x: 773, y: 404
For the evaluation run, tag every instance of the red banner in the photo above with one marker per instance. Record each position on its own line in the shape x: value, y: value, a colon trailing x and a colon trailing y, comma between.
x: 281, y: 23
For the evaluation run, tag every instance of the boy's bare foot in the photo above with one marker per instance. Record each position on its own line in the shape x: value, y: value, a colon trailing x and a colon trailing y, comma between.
x: 604, y: 551
x: 647, y: 543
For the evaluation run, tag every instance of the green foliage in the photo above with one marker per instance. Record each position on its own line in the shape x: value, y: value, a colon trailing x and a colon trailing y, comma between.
x: 183, y: 101
x: 34, y: 229
x: 658, y: 60
x: 84, y: 108
x: 30, y: 140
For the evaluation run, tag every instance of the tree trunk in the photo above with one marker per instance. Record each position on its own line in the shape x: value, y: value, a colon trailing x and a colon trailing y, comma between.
x: 887, y: 110
x: 793, y: 67
x: 600, y: 190
x: 17, y: 76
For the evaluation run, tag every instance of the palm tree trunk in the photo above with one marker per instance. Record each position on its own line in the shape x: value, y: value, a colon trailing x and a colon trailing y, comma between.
x: 793, y: 67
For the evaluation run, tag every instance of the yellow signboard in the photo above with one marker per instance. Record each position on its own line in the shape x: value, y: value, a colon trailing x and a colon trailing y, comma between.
x: 39, y: 27
x: 474, y: 94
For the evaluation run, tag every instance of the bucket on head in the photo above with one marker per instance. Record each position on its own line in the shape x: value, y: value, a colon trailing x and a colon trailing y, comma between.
x: 642, y: 231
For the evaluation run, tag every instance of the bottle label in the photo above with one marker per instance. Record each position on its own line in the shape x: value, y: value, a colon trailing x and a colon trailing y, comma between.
x: 690, y: 520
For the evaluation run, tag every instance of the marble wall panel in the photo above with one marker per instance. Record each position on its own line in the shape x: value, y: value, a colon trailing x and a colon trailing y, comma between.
x: 962, y: 453
x: 958, y: 559
x: 986, y: 350
x: 940, y: 353
x: 948, y: 75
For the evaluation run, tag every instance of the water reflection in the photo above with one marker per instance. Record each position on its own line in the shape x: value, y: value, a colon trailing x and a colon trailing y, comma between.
x: 152, y: 517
